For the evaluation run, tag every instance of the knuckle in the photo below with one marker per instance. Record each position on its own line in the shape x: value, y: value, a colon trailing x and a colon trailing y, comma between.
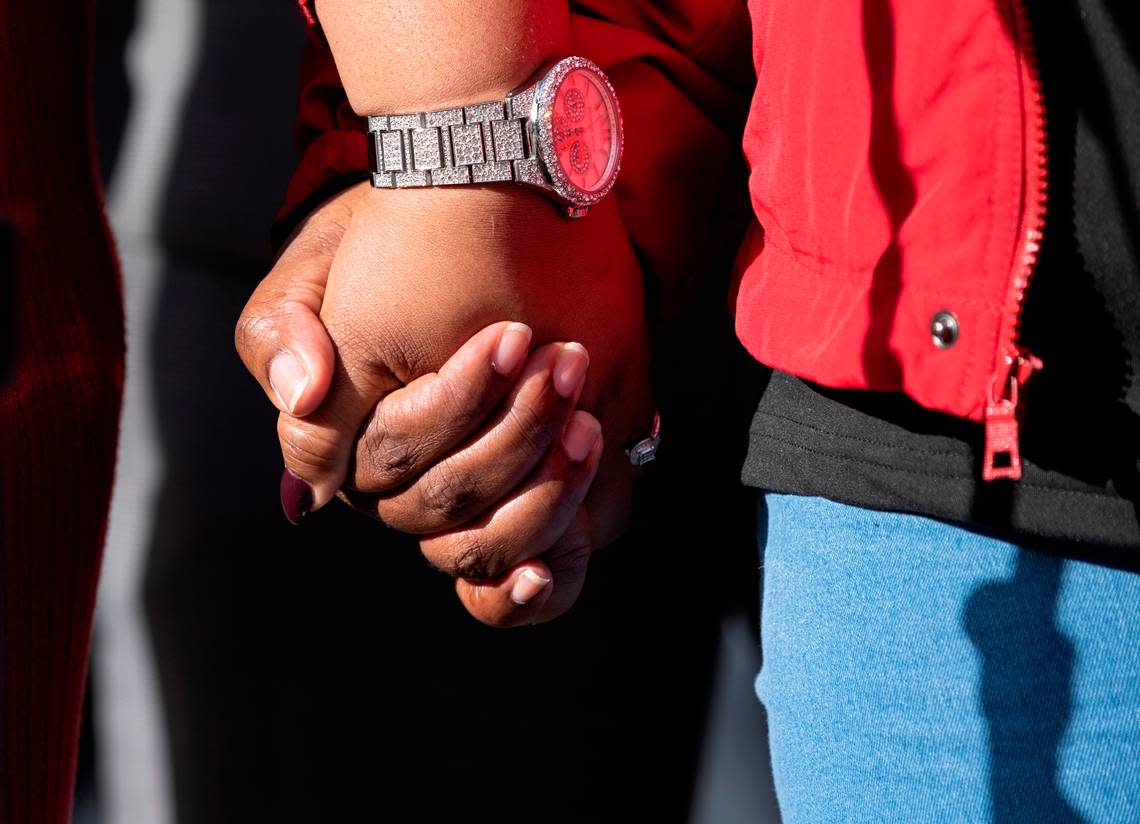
x: 536, y: 431
x: 451, y: 495
x: 253, y: 327
x: 273, y: 309
x: 389, y: 459
x: 265, y: 320
x: 306, y: 447
x: 478, y: 560
x: 386, y: 456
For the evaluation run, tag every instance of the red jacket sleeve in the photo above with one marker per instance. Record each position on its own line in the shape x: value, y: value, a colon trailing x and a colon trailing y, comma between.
x: 330, y: 136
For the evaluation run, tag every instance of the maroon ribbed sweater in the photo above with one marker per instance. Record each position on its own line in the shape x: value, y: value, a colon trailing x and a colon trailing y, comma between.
x: 61, y: 376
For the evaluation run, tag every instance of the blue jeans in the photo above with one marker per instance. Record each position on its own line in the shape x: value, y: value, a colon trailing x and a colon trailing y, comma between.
x: 916, y: 671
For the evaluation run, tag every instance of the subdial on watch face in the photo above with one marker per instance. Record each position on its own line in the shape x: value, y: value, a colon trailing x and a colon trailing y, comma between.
x: 585, y: 131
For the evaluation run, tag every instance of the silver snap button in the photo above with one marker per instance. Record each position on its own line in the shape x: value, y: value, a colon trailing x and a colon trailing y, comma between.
x: 944, y: 329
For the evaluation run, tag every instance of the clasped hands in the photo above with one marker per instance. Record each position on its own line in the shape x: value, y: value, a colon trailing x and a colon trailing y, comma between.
x: 467, y: 366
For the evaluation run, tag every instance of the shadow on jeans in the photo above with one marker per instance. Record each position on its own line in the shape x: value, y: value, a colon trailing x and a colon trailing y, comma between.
x: 1026, y: 688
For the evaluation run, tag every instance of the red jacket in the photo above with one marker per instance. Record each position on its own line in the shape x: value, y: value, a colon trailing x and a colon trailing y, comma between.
x: 897, y: 156
x: 897, y: 177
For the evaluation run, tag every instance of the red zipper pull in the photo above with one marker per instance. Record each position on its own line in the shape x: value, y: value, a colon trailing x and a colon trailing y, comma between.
x: 1003, y: 438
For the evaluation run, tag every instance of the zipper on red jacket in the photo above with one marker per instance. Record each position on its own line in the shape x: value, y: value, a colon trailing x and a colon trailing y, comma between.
x: 1015, y: 365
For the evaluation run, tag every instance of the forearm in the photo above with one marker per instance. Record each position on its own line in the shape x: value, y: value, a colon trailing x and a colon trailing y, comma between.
x: 414, y: 55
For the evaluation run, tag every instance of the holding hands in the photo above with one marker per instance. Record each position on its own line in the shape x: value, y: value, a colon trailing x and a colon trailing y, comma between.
x: 465, y: 366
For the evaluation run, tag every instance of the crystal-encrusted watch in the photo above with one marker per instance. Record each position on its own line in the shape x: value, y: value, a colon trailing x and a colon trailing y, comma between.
x: 561, y: 134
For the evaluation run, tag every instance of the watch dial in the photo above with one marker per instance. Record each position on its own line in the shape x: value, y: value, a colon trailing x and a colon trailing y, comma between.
x: 585, y: 131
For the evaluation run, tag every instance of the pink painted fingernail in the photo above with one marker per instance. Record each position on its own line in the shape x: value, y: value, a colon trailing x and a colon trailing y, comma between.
x: 288, y: 377
x: 580, y: 435
x: 514, y: 343
x: 528, y: 585
x: 570, y: 369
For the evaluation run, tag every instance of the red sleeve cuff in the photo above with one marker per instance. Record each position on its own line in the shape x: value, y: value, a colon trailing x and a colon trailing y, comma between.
x: 308, y: 9
x: 330, y: 136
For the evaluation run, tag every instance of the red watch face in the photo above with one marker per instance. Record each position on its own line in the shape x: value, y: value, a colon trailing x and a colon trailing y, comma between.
x: 585, y: 130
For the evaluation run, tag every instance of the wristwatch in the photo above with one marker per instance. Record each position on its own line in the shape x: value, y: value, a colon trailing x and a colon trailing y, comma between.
x: 561, y: 134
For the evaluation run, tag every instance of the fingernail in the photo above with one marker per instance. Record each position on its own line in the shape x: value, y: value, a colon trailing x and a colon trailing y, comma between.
x: 514, y: 343
x: 570, y: 369
x: 580, y: 435
x: 288, y: 377
x: 528, y: 585
x: 296, y: 497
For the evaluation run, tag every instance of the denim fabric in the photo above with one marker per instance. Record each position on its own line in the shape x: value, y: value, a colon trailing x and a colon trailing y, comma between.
x: 917, y: 671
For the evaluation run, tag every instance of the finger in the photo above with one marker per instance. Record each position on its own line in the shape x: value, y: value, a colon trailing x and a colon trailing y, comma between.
x: 318, y: 449
x: 416, y: 426
x: 280, y: 336
x: 471, y: 480
x: 533, y: 518
x: 535, y: 591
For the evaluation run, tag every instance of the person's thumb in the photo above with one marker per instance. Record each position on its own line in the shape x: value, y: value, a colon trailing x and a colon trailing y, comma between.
x: 280, y: 337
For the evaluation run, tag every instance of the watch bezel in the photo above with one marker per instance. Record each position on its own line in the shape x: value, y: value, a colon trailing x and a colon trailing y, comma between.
x: 542, y: 131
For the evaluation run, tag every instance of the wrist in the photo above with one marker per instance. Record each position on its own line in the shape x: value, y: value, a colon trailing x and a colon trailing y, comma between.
x: 446, y: 52
x: 500, y: 222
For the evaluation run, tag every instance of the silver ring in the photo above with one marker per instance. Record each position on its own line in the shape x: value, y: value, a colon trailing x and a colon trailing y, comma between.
x: 645, y: 450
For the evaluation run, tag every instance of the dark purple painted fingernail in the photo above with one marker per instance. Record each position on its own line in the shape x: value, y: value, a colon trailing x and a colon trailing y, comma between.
x: 296, y: 497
